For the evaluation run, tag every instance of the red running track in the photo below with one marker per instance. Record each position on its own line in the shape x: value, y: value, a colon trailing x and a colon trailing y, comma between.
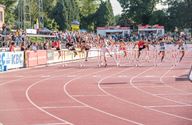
x: 70, y: 95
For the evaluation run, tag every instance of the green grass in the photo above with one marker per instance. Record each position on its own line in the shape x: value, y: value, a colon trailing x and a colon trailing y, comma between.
x: 37, y: 39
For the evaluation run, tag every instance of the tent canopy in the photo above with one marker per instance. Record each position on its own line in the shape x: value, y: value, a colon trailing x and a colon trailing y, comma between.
x: 75, y: 22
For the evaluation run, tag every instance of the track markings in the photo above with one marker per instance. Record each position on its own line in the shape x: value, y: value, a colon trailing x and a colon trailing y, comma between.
x: 63, y: 107
x: 19, y: 76
x: 91, y: 107
x: 16, y: 109
x: 151, y: 76
x: 96, y: 76
x: 88, y: 95
x: 71, y: 76
x: 122, y: 76
x: 168, y: 106
x: 145, y: 107
x: 52, y: 124
x: 174, y: 94
x: 45, y: 76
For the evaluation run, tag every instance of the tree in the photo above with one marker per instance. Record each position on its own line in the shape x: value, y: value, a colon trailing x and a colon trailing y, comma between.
x: 72, y: 12
x: 87, y: 9
x: 159, y: 17
x: 179, y: 14
x: 139, y: 11
x: 104, y: 15
x: 64, y: 12
x: 49, y: 22
x: 123, y: 20
x: 58, y: 15
x: 9, y: 10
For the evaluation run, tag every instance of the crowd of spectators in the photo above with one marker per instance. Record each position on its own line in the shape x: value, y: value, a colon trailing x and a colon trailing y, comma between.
x: 18, y: 40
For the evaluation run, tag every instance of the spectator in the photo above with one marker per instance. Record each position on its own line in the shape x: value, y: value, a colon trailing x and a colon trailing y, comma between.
x: 22, y: 46
x: 34, y: 47
x: 12, y: 47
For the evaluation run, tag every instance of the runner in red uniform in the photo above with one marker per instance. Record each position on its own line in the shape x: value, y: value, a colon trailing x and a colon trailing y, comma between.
x: 58, y: 47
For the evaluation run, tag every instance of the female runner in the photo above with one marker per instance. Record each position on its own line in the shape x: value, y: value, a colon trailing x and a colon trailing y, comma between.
x: 85, y: 48
x: 181, y: 49
x: 162, y: 49
x: 104, y: 50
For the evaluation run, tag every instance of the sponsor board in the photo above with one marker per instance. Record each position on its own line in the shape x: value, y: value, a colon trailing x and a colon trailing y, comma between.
x: 12, y: 60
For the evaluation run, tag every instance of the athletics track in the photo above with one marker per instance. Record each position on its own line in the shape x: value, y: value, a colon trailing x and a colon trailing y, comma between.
x: 71, y: 95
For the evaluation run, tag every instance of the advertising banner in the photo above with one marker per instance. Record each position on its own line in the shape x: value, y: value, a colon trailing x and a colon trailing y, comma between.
x: 12, y: 59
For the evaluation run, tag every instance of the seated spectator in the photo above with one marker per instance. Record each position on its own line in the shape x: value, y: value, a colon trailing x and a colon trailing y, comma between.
x: 34, y: 47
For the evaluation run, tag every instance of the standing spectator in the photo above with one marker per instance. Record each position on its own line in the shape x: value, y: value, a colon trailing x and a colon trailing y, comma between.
x: 12, y: 47
x: 3, y: 47
x: 45, y: 45
x: 22, y: 46
x: 53, y: 44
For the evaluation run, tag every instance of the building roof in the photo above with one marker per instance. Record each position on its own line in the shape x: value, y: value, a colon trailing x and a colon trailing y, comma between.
x: 157, y: 26
x: 113, y: 28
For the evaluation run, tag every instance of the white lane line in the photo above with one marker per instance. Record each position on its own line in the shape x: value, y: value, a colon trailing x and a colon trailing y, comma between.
x: 174, y: 94
x: 52, y: 124
x: 178, y: 102
x: 136, y: 104
x: 45, y: 76
x: 4, y: 83
x: 95, y: 76
x: 149, y: 93
x: 151, y: 76
x: 63, y: 107
x: 71, y: 76
x: 168, y: 106
x: 130, y: 87
x: 38, y: 107
x: 88, y: 95
x: 122, y: 76
x: 19, y: 76
x: 93, y: 108
x: 16, y: 109
x: 162, y: 81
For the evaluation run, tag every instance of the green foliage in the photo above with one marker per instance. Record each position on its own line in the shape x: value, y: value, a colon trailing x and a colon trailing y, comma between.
x: 58, y: 14
x: 87, y: 10
x: 9, y: 10
x: 158, y: 17
x: 51, y: 24
x: 64, y: 12
x: 139, y: 10
x: 104, y: 15
x: 87, y: 7
x: 180, y: 14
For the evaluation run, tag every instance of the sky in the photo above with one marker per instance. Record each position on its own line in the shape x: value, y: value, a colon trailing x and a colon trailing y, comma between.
x: 118, y: 10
